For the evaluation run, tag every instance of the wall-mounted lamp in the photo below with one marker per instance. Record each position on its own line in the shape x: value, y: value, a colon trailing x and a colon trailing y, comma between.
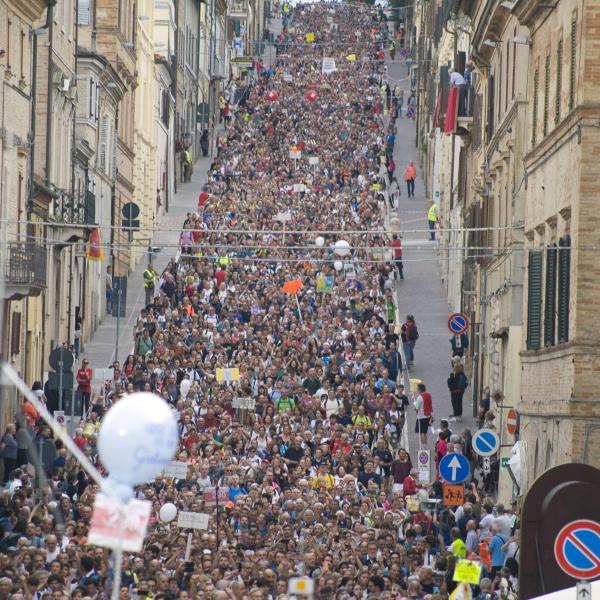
x: 490, y: 43
x: 506, y: 4
x: 521, y: 39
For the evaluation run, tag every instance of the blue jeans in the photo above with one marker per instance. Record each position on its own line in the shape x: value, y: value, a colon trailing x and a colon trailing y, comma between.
x: 432, y: 230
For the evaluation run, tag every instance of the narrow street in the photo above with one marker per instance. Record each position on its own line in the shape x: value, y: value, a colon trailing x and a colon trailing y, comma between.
x: 421, y: 292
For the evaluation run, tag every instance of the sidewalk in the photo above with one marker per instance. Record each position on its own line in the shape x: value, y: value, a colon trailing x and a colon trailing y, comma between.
x: 421, y: 293
x: 100, y: 350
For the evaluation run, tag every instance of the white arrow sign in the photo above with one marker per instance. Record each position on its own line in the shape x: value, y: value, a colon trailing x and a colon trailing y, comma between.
x: 454, y: 466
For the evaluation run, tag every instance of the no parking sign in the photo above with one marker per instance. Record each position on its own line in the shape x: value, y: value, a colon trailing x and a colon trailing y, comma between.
x: 423, y: 468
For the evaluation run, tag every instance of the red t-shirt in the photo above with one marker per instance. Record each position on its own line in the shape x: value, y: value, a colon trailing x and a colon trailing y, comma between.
x: 427, y: 404
x: 84, y: 379
x: 397, y: 245
x: 220, y: 276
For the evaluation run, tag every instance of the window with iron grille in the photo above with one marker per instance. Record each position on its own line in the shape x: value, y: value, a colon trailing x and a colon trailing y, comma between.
x: 534, y: 110
x: 564, y: 281
x: 559, y: 52
x: 572, y: 63
x: 546, y: 94
x: 550, y: 299
x: 534, y: 299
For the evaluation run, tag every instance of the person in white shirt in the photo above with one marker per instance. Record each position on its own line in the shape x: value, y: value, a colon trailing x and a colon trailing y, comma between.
x: 456, y: 79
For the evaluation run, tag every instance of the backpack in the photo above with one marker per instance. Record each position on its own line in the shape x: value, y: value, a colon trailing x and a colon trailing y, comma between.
x: 413, y: 332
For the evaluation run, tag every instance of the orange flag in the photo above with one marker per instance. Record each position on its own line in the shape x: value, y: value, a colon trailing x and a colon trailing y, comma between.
x: 94, y: 247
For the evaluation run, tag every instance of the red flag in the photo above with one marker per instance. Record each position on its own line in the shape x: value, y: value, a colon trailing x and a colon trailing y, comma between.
x: 451, y: 111
x: 94, y: 248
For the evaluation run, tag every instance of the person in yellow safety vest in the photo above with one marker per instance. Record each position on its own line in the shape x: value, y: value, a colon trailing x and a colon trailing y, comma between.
x: 187, y: 165
x: 223, y: 260
x: 222, y: 105
x: 286, y: 7
x: 432, y: 219
x: 149, y: 281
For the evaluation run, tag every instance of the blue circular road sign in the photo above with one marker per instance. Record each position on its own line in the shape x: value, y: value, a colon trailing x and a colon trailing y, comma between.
x: 486, y: 442
x: 454, y: 468
x: 458, y: 323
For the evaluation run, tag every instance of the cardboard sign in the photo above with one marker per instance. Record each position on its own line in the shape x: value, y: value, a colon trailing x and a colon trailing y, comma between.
x: 210, y: 496
x: 376, y: 187
x: 299, y: 187
x: 351, y: 57
x: 244, y: 403
x: 467, y: 571
x: 295, y: 154
x: 313, y: 160
x: 228, y: 374
x: 413, y: 504
x: 192, y: 520
x: 116, y: 524
x: 324, y: 284
x: 328, y: 66
x: 176, y: 470
x: 454, y: 495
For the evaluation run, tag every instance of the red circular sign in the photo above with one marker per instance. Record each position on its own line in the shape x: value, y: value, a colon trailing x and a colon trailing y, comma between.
x: 458, y: 323
x: 577, y: 549
x: 511, y: 421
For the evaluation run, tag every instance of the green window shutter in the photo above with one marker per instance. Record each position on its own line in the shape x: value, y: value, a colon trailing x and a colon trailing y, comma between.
x: 550, y: 300
x: 534, y: 300
x: 564, y: 281
x: 546, y: 95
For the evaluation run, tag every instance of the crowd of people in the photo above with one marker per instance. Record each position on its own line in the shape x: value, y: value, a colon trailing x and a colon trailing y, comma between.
x: 287, y: 396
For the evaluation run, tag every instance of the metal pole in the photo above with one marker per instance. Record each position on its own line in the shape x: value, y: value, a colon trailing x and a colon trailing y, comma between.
x: 60, y: 378
x: 119, y: 292
x: 188, y: 548
x: 217, y: 507
x: 71, y: 425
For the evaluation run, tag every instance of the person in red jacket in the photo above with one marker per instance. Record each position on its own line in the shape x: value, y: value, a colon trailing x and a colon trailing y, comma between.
x: 84, y: 380
x: 396, y: 244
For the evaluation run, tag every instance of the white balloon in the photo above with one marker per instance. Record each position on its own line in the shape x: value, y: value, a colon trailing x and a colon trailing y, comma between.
x: 338, y: 265
x: 342, y: 248
x: 52, y: 505
x: 320, y: 242
x: 137, y: 439
x: 167, y: 512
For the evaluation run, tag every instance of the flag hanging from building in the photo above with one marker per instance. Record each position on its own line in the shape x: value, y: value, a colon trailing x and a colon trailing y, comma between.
x: 94, y: 247
x: 451, y: 111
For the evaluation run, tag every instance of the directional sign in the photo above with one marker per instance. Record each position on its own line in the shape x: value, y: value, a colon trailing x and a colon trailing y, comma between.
x: 584, y: 590
x: 577, y: 549
x: 130, y: 211
x: 512, y: 421
x: 454, y: 468
x: 454, y: 495
x: 486, y: 442
x: 458, y: 323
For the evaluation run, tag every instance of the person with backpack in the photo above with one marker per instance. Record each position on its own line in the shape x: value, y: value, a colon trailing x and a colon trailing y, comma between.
x: 457, y: 384
x: 412, y: 335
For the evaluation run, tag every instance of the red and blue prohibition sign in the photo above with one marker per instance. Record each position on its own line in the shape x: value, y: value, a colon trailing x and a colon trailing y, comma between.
x: 577, y: 549
x: 458, y: 323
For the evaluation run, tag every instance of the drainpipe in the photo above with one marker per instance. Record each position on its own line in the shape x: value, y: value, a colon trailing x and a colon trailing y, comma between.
x: 50, y: 26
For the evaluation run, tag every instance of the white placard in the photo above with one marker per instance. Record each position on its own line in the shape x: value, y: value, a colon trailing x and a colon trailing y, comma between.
x: 244, y: 403
x: 210, y: 496
x: 301, y: 586
x: 299, y: 187
x: 295, y: 154
x: 328, y: 65
x: 176, y: 470
x: 287, y: 77
x: 423, y: 466
x: 192, y: 520
x: 313, y: 160
x: 114, y: 523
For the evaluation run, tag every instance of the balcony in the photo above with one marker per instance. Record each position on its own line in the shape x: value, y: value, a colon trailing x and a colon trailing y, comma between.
x: 80, y: 210
x: 237, y: 9
x: 25, y: 271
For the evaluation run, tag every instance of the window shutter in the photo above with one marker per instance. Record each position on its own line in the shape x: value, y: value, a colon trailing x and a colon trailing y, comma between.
x: 15, y: 334
x: 113, y: 156
x: 534, y: 300
x: 534, y: 110
x: 490, y: 120
x: 83, y: 12
x: 550, y: 300
x: 559, y: 53
x: 546, y: 94
x: 564, y: 280
x: 572, y: 63
x: 103, y: 146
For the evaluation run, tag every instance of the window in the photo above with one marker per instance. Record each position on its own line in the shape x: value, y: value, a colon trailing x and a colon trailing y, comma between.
x: 559, y: 51
x: 500, y: 84
x: 83, y: 12
x: 514, y: 62
x: 534, y: 300
x: 507, y: 78
x: 8, y: 34
x: 490, y: 121
x: 103, y: 145
x: 534, y: 110
x: 550, y: 300
x: 15, y: 334
x: 564, y: 280
x: 572, y: 63
x: 546, y: 94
